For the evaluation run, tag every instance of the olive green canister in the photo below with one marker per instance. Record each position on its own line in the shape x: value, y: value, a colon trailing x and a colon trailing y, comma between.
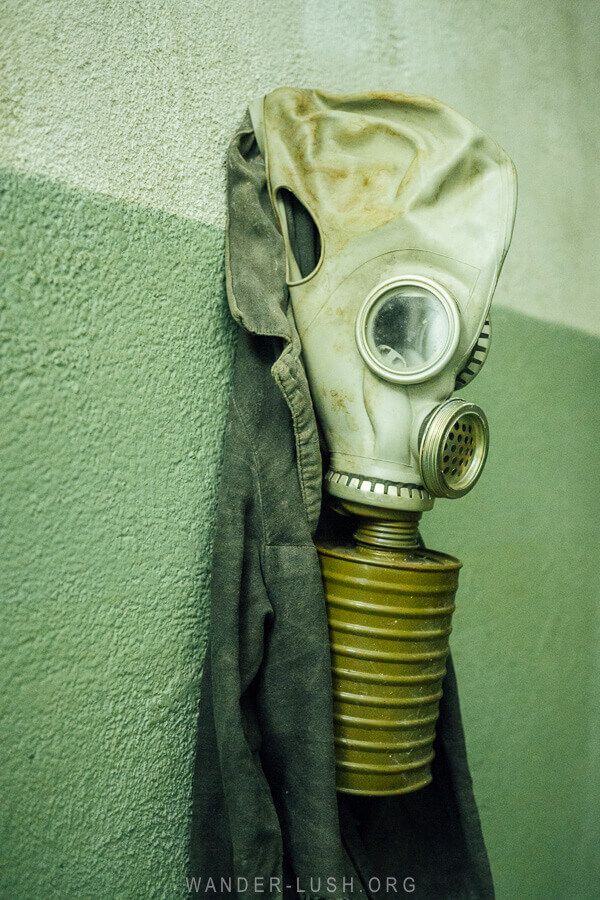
x: 389, y: 610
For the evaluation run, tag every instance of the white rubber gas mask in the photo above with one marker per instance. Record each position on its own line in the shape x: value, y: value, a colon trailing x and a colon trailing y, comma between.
x: 396, y: 214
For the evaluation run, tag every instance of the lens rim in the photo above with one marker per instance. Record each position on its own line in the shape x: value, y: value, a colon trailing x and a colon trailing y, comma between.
x: 432, y: 368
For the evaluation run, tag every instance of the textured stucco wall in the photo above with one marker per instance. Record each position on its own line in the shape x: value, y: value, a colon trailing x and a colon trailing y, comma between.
x: 115, y: 361
x: 138, y: 101
x: 115, y: 355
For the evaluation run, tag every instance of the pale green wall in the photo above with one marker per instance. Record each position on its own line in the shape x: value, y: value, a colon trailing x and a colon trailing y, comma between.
x: 527, y: 625
x: 115, y: 360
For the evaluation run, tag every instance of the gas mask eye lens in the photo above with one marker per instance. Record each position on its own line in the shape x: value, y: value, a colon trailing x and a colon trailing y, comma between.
x: 407, y: 330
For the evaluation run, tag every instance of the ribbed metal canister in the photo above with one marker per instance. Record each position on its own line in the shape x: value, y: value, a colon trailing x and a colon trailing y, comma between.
x: 389, y: 614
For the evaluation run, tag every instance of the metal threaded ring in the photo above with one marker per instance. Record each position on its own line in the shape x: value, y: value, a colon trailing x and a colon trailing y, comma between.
x: 453, y: 448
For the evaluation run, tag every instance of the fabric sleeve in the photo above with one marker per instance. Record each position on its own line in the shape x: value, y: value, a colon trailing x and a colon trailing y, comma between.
x: 235, y: 829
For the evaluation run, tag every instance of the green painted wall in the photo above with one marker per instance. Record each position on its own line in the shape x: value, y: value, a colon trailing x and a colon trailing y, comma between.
x: 527, y: 626
x: 116, y: 352
x: 115, y: 357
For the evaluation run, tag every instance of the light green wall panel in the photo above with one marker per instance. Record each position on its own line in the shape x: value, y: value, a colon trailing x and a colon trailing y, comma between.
x: 115, y: 360
x: 527, y: 625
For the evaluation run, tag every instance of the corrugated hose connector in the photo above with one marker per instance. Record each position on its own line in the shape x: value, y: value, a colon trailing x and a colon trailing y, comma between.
x: 453, y: 448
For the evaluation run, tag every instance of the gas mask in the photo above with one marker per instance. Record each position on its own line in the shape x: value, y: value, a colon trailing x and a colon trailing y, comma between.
x: 396, y: 213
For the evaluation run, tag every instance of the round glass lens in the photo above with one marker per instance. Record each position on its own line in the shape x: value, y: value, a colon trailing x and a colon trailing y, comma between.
x: 407, y: 329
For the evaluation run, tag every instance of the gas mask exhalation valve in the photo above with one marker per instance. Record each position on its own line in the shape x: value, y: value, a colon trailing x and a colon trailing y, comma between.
x: 396, y: 213
x: 453, y: 448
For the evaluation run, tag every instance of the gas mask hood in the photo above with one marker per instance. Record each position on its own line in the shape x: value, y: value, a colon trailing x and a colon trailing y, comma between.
x: 396, y: 213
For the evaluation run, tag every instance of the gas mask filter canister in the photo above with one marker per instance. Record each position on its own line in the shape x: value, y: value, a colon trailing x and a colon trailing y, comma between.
x: 396, y: 213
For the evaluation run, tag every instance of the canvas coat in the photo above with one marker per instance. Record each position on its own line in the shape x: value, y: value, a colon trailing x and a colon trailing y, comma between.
x: 266, y: 819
